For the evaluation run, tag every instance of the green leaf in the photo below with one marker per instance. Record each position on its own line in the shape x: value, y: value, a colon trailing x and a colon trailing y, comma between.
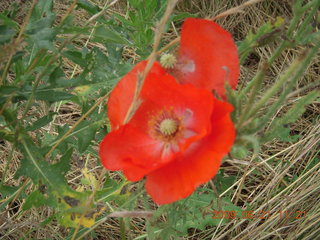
x: 265, y: 34
x: 41, y: 122
x: 89, y: 7
x: 37, y: 168
x: 112, y: 191
x: 63, y: 166
x: 40, y: 27
x: 86, y: 133
x: 6, y: 91
x: 197, y: 211
x: 35, y: 199
x: 56, y: 75
x: 76, y: 57
x: 6, y: 33
x: 181, y: 16
x: 280, y: 126
x: 45, y: 93
x: 52, y: 95
x: 75, y: 30
x: 44, y: 37
x: 4, y: 20
x: 223, y: 182
x: 43, y: 8
x: 7, y: 190
x: 106, y: 35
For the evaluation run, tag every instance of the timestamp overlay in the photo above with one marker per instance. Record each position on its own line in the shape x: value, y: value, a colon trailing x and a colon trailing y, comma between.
x: 250, y: 214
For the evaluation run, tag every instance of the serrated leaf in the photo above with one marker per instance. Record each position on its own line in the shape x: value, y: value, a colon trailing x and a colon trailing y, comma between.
x: 40, y: 27
x: 38, y: 169
x: 113, y: 190
x: 42, y: 8
x: 223, y: 182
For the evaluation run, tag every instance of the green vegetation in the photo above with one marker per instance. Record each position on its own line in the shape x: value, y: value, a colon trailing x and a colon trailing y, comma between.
x: 59, y: 60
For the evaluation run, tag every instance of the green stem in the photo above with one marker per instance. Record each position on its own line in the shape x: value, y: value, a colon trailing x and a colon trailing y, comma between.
x: 293, y: 23
x: 256, y: 84
x: 273, y: 57
x: 292, y: 74
x: 302, y: 66
x: 310, y: 4
x: 122, y: 229
x: 309, y: 17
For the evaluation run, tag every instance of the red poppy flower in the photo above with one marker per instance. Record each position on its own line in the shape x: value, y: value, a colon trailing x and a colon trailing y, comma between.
x: 176, y: 138
x: 208, y: 56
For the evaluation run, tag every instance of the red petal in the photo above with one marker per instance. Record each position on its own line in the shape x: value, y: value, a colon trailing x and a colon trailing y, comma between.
x: 163, y: 92
x: 120, y: 147
x: 200, y: 163
x: 122, y: 95
x: 208, y: 56
x: 131, y: 148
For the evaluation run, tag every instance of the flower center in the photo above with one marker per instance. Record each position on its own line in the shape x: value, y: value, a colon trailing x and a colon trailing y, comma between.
x: 168, y: 127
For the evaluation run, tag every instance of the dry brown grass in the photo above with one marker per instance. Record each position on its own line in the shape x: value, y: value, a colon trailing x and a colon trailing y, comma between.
x: 258, y: 183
